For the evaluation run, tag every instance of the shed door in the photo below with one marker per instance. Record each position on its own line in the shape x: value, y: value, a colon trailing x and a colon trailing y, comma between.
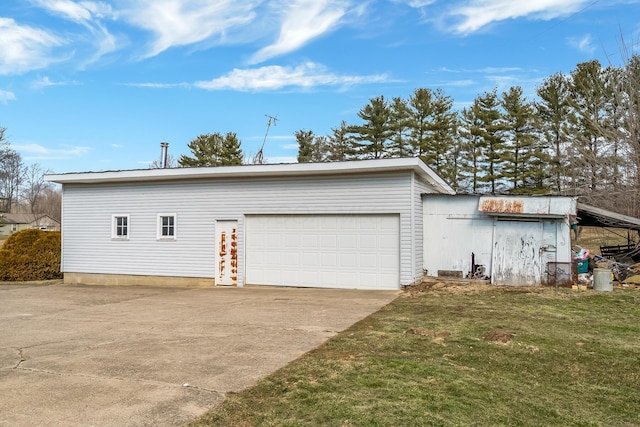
x: 327, y: 251
x: 517, y: 253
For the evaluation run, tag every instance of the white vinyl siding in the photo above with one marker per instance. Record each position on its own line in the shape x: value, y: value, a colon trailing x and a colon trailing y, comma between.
x: 88, y: 247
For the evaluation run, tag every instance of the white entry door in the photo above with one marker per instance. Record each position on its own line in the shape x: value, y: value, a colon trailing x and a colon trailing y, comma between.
x: 328, y: 251
x: 226, y: 253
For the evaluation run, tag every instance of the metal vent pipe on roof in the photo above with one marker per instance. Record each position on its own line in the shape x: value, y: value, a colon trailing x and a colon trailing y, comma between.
x: 164, y: 149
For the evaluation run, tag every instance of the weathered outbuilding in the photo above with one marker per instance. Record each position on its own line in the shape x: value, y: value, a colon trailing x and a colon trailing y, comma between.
x: 514, y: 240
x: 341, y: 225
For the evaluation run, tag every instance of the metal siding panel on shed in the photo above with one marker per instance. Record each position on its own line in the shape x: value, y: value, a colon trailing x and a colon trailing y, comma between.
x: 453, y: 230
x: 87, y: 209
x: 332, y: 251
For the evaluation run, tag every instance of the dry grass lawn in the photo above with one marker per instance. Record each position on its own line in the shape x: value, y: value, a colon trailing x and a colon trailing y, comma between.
x: 457, y: 354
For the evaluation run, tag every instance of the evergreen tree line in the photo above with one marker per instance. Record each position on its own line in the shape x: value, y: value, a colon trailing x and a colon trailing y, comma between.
x: 580, y: 136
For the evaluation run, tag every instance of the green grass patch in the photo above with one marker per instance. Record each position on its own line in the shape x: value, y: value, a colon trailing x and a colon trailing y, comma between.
x: 463, y: 355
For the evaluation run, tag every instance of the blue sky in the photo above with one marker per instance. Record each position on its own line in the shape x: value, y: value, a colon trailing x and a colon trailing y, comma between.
x: 97, y: 85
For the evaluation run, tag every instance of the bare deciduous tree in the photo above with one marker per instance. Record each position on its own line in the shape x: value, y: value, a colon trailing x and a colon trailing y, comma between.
x: 11, y: 173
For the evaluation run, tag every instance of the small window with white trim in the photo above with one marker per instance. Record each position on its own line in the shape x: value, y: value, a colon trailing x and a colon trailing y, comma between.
x: 120, y: 227
x: 166, y: 226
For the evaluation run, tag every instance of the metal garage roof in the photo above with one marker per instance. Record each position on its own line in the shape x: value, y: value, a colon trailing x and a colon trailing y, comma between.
x: 283, y: 170
x: 590, y: 216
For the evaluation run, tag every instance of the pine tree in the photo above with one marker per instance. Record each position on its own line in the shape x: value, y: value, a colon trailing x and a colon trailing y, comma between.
x: 320, y: 149
x: 399, y: 122
x: 472, y: 146
x: 340, y: 144
x: 420, y: 111
x: 213, y: 150
x: 441, y: 133
x: 520, y: 142
x: 372, y: 137
x: 455, y: 163
x: 553, y: 115
x: 305, y: 140
x: 230, y: 151
x: 491, y: 132
x: 589, y: 99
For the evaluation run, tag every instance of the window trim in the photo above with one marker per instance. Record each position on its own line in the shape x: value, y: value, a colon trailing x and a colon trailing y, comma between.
x: 114, y: 227
x: 159, y: 226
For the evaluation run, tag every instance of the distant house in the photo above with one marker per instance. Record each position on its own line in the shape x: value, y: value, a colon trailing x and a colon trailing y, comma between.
x: 12, y: 222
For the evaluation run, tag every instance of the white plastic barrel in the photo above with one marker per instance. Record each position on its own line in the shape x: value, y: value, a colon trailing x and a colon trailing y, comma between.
x: 602, y: 279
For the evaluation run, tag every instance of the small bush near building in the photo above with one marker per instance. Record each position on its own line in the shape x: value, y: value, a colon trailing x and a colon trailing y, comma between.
x: 31, y: 255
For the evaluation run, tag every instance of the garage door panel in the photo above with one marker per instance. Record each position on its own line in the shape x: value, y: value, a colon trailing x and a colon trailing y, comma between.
x: 368, y: 261
x: 308, y: 241
x: 348, y: 260
x: 308, y: 259
x: 290, y: 240
x: 329, y: 223
x: 345, y: 251
x: 329, y: 242
x: 348, y: 241
x: 368, y: 241
x: 329, y: 260
x: 291, y: 277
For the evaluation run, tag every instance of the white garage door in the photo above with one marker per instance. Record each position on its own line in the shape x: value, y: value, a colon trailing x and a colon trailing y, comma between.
x: 328, y: 251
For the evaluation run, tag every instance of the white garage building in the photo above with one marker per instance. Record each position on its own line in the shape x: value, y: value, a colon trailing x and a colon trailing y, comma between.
x: 338, y: 225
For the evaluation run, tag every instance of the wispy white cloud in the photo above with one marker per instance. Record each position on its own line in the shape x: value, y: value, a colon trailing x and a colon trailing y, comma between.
x: 47, y: 82
x: 90, y: 15
x: 159, y: 85
x: 480, y: 70
x: 289, y: 146
x: 415, y: 3
x: 117, y: 146
x: 457, y: 83
x: 473, y: 15
x: 583, y: 44
x: 186, y: 22
x: 303, y: 21
x: 80, y: 12
x: 307, y: 75
x: 24, y: 48
x: 40, y: 152
x: 6, y: 96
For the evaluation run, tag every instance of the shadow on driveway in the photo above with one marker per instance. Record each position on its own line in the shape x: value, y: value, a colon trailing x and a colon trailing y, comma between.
x: 90, y: 355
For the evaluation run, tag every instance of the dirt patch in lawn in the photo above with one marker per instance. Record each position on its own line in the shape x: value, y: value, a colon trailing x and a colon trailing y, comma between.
x: 436, y: 287
x: 499, y: 336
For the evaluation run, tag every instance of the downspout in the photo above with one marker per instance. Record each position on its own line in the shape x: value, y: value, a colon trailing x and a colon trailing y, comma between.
x: 413, y: 227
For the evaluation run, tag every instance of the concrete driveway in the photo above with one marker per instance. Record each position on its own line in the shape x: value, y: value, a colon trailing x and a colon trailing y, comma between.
x: 112, y: 356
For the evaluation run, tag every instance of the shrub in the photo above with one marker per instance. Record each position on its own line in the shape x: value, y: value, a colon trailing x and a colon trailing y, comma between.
x: 31, y: 255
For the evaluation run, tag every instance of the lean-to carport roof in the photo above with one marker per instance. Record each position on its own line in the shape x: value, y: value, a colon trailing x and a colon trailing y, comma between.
x: 590, y: 216
x: 257, y: 171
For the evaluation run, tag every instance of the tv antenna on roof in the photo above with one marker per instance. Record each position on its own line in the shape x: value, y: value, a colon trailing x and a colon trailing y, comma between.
x: 259, y: 158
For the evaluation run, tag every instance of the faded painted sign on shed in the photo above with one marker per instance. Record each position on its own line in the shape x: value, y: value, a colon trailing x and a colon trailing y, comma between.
x: 538, y: 206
